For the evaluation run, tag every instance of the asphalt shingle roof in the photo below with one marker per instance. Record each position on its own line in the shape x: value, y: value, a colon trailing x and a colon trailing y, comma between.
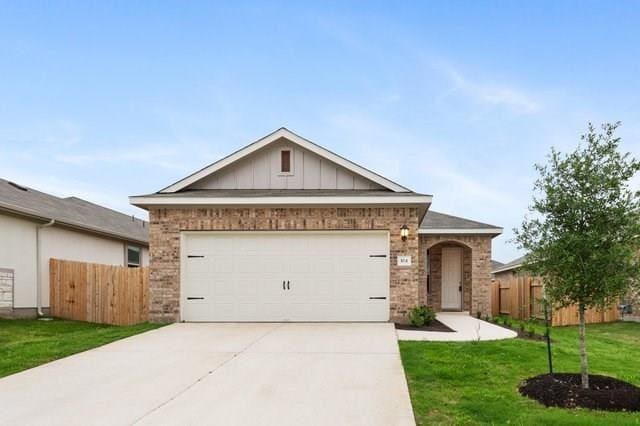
x: 72, y: 211
x: 515, y: 263
x: 435, y: 220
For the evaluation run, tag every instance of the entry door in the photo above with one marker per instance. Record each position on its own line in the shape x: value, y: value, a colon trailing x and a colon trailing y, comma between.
x: 451, y: 278
x: 285, y: 276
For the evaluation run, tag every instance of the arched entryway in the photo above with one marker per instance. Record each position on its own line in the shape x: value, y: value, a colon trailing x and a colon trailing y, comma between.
x: 448, y: 276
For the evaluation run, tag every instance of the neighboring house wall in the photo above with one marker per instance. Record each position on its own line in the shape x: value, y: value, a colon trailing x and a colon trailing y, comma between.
x: 166, y: 225
x: 261, y: 170
x: 60, y: 243
x: 476, y: 270
x: 18, y: 252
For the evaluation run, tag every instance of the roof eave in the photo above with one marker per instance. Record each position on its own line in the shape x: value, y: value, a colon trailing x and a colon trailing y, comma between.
x: 150, y: 201
x: 508, y: 268
x: 461, y: 231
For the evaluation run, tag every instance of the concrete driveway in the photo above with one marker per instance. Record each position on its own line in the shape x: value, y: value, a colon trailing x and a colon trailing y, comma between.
x: 231, y: 374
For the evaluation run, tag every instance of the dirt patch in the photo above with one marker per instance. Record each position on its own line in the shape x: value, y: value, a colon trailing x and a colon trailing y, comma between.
x: 524, y: 334
x: 563, y: 390
x: 434, y: 326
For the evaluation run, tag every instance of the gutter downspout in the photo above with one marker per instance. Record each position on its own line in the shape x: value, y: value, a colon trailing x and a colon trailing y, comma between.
x: 39, y: 268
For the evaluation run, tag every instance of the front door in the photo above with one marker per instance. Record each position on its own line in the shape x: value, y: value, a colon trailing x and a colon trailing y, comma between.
x: 451, y: 278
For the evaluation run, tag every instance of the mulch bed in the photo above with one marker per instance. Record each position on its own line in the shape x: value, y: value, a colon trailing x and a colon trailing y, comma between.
x: 434, y: 326
x: 564, y: 390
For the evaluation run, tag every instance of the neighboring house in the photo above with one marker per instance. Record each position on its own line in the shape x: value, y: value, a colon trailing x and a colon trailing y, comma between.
x: 495, y: 265
x: 35, y: 227
x: 285, y: 230
x: 508, y: 269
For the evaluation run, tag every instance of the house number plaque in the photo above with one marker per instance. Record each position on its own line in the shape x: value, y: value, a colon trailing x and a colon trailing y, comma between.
x: 404, y: 260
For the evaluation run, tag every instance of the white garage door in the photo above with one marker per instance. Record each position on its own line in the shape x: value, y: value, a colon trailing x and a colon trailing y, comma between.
x: 285, y: 276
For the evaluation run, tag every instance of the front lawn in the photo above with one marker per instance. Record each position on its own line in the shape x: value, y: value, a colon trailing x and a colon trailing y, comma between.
x: 476, y: 383
x: 28, y: 343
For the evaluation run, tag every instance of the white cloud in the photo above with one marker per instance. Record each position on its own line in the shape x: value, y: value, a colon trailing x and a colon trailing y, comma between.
x: 515, y: 99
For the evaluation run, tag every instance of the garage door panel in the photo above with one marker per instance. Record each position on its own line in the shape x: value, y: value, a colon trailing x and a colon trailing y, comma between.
x: 331, y: 276
x: 220, y: 263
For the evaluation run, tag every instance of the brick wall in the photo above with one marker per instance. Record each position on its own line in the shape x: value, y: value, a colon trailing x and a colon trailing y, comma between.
x: 166, y: 224
x: 476, y: 270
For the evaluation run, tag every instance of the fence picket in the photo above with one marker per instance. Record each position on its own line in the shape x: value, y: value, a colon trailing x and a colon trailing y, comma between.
x: 98, y: 293
x: 519, y: 298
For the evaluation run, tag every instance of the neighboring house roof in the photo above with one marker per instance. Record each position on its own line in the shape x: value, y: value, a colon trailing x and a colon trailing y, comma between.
x: 292, y: 137
x: 514, y: 264
x: 495, y: 264
x: 440, y: 223
x: 73, y: 212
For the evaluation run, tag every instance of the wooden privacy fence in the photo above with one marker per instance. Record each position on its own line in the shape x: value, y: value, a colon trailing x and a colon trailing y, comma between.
x: 92, y: 292
x: 520, y: 298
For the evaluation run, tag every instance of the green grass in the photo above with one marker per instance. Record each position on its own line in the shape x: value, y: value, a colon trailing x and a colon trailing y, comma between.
x: 476, y: 383
x: 27, y: 343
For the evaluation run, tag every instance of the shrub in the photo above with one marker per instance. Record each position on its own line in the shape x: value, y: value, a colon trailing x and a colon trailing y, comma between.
x: 421, y: 315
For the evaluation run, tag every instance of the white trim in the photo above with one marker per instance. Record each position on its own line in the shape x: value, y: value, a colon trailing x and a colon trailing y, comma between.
x: 461, y: 231
x: 299, y: 200
x: 292, y: 137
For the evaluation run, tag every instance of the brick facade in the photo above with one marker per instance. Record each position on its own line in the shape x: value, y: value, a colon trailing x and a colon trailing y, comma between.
x: 167, y: 223
x: 476, y: 270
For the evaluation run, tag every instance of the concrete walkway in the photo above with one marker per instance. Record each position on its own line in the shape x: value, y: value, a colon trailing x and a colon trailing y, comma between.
x: 221, y: 374
x: 467, y: 329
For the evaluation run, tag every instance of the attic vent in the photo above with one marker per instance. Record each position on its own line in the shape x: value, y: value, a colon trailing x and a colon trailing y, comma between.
x: 16, y: 186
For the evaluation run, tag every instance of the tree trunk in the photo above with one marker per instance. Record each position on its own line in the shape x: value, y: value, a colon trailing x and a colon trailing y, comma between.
x: 583, y: 349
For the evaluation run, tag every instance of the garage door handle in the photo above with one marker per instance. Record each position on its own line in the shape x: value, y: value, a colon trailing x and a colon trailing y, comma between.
x: 377, y: 255
x: 195, y: 298
x: 284, y: 287
x: 378, y: 298
x: 288, y: 288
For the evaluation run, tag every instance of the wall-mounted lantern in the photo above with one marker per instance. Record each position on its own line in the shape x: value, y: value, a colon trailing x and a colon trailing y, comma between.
x: 404, y: 232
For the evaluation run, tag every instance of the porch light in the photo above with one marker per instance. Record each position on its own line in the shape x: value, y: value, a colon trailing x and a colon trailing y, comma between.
x: 404, y: 232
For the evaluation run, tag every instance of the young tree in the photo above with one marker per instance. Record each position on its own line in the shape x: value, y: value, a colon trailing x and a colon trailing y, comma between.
x: 584, y: 236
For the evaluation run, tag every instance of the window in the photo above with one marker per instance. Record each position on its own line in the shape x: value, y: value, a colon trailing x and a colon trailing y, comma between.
x: 133, y: 256
x: 285, y: 161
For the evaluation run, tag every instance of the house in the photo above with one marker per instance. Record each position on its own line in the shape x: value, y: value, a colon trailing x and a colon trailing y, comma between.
x: 509, y: 269
x: 495, y: 265
x: 35, y: 227
x: 286, y: 230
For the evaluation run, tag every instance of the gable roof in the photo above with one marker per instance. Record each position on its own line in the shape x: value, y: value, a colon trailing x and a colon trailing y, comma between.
x: 73, y: 212
x: 514, y: 264
x: 294, y: 138
x: 440, y: 223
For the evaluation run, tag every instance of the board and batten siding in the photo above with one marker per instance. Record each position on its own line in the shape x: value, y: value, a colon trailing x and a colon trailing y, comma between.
x: 261, y: 170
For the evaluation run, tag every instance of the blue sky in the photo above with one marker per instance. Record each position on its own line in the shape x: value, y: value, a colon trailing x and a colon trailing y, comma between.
x: 455, y: 99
